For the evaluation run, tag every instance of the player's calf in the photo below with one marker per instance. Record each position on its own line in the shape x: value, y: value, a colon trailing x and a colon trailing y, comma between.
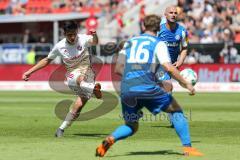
x: 71, y: 116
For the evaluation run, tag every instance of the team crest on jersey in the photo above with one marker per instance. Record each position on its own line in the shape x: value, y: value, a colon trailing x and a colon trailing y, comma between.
x: 160, y: 74
x: 177, y: 37
x: 65, y: 51
x: 79, y: 48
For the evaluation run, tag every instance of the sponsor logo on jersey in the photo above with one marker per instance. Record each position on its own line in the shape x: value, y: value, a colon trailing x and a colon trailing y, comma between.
x: 177, y: 37
x: 65, y: 51
x: 172, y: 44
x: 79, y: 47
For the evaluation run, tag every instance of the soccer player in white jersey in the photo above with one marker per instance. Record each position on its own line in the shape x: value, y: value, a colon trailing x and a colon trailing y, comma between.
x: 80, y: 76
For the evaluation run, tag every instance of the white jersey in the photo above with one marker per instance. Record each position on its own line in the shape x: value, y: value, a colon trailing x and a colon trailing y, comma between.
x: 75, y: 55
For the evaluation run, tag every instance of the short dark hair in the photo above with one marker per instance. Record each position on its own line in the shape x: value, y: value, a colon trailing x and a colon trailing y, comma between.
x: 70, y: 26
x: 152, y: 23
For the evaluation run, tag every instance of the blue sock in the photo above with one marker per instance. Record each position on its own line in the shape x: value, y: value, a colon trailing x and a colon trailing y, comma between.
x: 181, y: 127
x: 122, y: 132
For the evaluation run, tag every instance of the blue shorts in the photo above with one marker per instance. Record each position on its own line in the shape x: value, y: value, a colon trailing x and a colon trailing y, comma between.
x: 132, y: 103
x: 162, y: 75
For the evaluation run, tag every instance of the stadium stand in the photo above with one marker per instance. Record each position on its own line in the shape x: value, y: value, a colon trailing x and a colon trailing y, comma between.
x: 210, y: 21
x: 34, y: 26
x: 207, y: 21
x: 4, y: 4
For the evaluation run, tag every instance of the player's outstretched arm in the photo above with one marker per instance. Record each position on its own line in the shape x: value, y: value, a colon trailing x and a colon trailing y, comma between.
x: 120, y: 65
x: 95, y: 37
x: 41, y: 64
x: 121, y: 59
x: 163, y: 57
x: 176, y: 75
x: 183, y: 53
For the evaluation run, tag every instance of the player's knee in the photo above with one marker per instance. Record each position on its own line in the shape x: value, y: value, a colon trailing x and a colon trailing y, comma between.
x: 133, y: 126
x: 135, y: 129
x: 79, y: 79
x: 173, y: 107
x: 80, y: 102
x: 168, y: 87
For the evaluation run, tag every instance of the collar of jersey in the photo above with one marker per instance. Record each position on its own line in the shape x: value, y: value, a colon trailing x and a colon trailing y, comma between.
x: 145, y: 34
x: 169, y: 29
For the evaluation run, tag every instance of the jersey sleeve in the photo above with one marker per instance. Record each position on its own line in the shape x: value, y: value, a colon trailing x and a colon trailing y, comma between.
x: 53, y: 53
x: 161, y: 53
x: 184, y: 38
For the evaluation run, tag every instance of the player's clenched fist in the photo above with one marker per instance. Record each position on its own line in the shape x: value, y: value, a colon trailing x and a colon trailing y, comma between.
x: 26, y: 76
x: 191, y: 89
x: 92, y: 31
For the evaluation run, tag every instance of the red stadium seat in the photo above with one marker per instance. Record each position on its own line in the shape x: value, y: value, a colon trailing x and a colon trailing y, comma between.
x: 61, y: 10
x: 38, y: 6
x: 91, y: 10
x: 237, y: 38
x: 4, y: 4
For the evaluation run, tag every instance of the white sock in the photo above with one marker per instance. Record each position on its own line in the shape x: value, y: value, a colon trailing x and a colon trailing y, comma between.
x: 68, y: 120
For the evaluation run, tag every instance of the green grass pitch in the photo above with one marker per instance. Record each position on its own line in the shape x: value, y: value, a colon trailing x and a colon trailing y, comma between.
x: 28, y: 123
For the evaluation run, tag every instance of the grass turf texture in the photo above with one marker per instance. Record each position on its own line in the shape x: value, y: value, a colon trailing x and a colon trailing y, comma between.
x: 28, y: 124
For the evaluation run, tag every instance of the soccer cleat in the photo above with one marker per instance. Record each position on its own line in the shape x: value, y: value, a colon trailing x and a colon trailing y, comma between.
x: 102, y: 148
x: 190, y: 151
x: 59, y: 132
x: 97, y: 91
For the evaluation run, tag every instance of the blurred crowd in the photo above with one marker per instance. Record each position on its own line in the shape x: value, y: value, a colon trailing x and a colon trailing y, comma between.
x: 207, y: 21
x: 211, y: 21
x: 22, y: 7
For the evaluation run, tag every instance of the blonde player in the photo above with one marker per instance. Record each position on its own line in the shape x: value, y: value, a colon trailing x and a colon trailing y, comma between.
x: 80, y: 76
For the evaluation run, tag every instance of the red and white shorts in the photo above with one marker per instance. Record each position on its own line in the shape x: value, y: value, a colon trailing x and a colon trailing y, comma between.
x: 85, y: 88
